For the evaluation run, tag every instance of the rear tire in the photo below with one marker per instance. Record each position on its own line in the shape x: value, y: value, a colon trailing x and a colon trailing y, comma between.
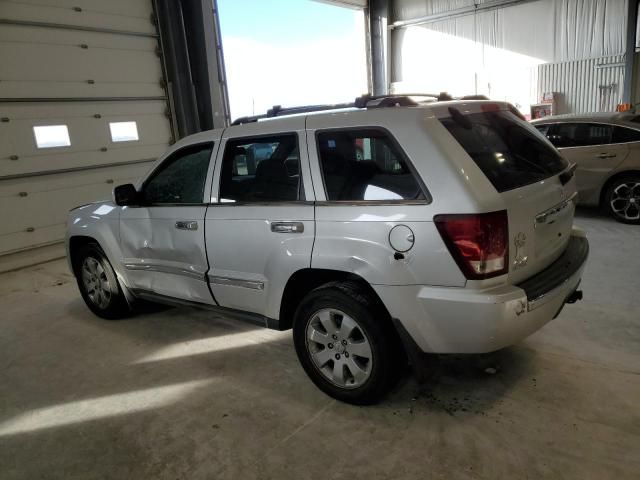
x: 622, y: 199
x: 98, y: 283
x: 347, y: 344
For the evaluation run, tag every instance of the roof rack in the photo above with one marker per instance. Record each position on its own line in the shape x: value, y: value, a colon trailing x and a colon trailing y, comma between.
x: 364, y: 101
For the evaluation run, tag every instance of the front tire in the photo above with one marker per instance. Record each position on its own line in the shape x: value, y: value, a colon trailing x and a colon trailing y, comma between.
x: 347, y: 344
x: 623, y: 199
x: 98, y: 283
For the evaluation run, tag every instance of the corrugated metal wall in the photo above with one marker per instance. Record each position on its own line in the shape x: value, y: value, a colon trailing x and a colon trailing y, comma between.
x: 551, y: 30
x: 581, y: 86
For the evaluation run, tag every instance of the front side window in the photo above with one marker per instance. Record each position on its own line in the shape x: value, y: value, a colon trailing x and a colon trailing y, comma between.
x: 564, y: 135
x: 180, y: 179
x: 365, y: 165
x: 261, y: 169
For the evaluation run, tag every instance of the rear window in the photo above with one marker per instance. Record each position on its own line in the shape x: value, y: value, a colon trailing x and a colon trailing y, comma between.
x: 625, y: 135
x: 508, y: 150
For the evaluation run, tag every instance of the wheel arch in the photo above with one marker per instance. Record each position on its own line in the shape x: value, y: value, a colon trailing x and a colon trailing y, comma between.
x: 303, y: 281
x: 611, y: 180
x: 76, y: 242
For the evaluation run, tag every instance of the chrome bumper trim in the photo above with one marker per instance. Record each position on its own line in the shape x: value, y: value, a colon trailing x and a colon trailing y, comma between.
x: 542, y: 217
x: 552, y: 294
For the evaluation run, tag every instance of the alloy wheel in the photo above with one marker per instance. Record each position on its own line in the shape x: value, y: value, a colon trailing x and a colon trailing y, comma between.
x: 96, y: 282
x: 339, y: 348
x: 625, y: 201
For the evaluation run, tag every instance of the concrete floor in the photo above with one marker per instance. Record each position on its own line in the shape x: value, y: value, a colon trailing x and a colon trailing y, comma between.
x: 179, y: 394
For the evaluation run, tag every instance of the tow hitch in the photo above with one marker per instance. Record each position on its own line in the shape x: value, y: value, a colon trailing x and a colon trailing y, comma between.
x: 575, y: 296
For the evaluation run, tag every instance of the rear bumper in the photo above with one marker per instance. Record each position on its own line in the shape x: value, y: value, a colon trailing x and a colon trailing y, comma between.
x: 461, y: 320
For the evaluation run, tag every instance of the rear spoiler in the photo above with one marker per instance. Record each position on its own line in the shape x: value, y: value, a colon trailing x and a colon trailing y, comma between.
x: 468, y: 105
x: 567, y: 174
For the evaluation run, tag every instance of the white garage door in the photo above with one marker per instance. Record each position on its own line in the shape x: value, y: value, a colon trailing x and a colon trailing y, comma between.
x: 82, y: 108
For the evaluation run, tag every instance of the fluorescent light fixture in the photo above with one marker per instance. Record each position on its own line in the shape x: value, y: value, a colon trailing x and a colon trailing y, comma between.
x: 50, y: 136
x: 123, y: 131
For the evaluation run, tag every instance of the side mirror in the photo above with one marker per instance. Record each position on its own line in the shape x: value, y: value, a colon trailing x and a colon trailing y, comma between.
x: 125, y: 195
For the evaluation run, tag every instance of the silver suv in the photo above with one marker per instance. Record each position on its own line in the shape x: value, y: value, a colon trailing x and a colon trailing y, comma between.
x: 376, y: 231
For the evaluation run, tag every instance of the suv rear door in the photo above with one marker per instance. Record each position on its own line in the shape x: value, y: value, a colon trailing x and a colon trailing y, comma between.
x: 260, y: 224
x: 525, y: 170
x: 592, y: 147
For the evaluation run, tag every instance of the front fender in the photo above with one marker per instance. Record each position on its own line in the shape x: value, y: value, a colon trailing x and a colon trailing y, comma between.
x: 100, y: 222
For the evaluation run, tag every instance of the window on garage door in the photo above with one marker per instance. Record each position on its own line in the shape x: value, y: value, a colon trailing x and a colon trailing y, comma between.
x: 51, y: 136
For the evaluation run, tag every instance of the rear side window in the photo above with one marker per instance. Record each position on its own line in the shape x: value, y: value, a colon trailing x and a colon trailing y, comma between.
x: 365, y: 165
x: 625, y: 135
x: 564, y: 135
x: 508, y: 150
x: 261, y: 169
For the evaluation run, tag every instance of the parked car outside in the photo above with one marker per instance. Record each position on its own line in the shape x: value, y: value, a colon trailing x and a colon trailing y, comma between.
x: 377, y: 233
x: 606, y: 150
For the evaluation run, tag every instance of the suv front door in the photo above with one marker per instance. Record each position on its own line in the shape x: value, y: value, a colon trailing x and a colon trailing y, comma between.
x: 260, y: 224
x: 162, y: 239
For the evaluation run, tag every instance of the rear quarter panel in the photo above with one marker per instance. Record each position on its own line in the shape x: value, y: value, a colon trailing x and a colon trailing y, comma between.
x: 354, y: 236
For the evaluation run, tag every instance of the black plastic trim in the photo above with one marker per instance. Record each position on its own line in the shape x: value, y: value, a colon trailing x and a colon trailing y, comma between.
x: 559, y: 271
x: 249, y: 317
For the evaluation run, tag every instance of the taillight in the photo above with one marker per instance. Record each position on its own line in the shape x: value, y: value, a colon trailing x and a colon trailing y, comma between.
x: 479, y: 243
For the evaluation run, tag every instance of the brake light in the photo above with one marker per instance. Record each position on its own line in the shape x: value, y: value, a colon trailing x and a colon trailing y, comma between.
x: 490, y: 107
x: 479, y: 243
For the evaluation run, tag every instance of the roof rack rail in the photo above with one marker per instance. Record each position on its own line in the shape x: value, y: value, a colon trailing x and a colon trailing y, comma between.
x: 364, y: 101
x: 278, y: 110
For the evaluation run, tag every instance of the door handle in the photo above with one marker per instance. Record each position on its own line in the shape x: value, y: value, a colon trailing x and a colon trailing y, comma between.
x: 186, y: 225
x: 287, y: 227
x: 607, y: 155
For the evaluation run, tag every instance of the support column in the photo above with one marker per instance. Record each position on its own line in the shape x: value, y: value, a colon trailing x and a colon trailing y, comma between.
x: 378, y: 18
x: 192, y: 56
x: 632, y: 23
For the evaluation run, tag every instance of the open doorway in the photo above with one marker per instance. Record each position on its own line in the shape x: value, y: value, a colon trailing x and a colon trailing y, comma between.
x: 291, y: 52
